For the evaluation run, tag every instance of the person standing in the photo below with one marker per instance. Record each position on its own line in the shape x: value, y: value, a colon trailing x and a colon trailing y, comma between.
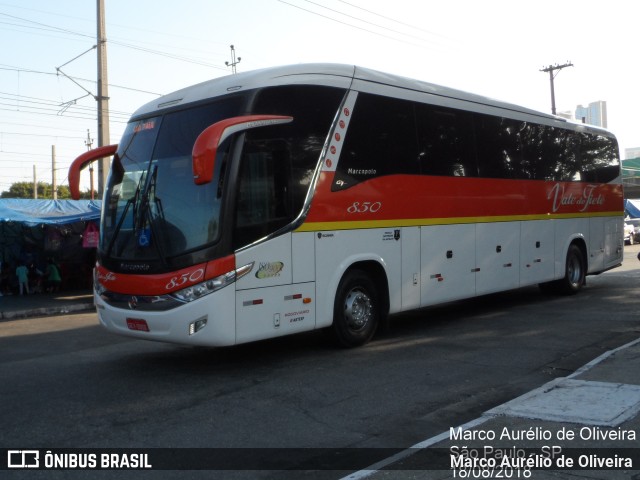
x: 53, y: 277
x: 22, y: 272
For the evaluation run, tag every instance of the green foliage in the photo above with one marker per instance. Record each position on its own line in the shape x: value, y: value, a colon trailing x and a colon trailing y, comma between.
x: 25, y: 190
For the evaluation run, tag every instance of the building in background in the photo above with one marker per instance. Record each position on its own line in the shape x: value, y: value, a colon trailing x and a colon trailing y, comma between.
x: 632, y: 152
x: 594, y: 114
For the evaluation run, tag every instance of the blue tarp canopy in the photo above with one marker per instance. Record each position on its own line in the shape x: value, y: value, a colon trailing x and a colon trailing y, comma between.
x: 51, y: 212
x: 632, y: 208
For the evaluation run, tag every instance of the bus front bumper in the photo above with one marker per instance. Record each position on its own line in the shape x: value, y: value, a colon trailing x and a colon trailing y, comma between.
x: 207, y: 321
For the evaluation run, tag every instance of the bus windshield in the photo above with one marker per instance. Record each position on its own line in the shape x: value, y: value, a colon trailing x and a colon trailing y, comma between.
x: 154, y: 212
x: 152, y: 209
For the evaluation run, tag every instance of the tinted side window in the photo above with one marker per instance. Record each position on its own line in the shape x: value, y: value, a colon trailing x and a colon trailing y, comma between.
x: 533, y: 140
x: 278, y: 162
x: 446, y: 142
x: 499, y: 144
x: 599, y: 158
x: 390, y: 136
x: 381, y: 140
x: 558, y: 155
x: 521, y: 150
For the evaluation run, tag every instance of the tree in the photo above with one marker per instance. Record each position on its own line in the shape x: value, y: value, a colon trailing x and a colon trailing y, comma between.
x: 25, y: 190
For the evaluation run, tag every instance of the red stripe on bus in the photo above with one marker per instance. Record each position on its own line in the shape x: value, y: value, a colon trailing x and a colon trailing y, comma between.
x: 163, y: 283
x: 398, y: 197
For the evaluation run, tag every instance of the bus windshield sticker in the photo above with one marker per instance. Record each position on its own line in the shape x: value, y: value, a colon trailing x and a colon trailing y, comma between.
x: 144, y: 237
x: 145, y: 125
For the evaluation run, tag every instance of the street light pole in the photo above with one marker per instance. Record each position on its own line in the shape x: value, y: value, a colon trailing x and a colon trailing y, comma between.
x: 234, y: 62
x: 89, y: 142
x: 102, y: 97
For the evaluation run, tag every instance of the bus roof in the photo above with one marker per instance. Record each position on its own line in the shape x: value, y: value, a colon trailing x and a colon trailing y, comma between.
x: 342, y: 76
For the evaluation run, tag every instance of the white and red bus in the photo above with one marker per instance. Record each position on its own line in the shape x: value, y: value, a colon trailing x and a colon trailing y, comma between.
x: 329, y: 196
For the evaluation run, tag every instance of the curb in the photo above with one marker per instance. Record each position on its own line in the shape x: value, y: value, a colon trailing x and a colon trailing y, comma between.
x: 48, y: 311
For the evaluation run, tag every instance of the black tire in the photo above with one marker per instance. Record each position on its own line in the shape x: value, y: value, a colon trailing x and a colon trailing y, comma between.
x: 575, y: 272
x: 356, y: 312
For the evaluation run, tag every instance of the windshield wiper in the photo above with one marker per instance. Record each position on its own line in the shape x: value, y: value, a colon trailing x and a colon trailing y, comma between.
x: 141, y: 207
x: 145, y: 216
x: 132, y: 201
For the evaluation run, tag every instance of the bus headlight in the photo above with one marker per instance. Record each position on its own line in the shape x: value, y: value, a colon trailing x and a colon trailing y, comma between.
x: 97, y: 286
x: 194, y: 292
x: 199, y: 290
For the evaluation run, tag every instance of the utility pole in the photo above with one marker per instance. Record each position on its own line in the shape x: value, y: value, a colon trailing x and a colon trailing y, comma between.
x: 89, y: 142
x: 54, y: 187
x: 102, y: 97
x: 233, y: 60
x: 35, y: 183
x: 551, y: 69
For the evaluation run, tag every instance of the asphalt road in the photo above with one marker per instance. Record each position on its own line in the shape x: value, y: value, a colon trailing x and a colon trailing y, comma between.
x: 65, y: 382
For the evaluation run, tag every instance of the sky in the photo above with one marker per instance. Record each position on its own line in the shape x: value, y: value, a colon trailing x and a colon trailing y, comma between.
x: 495, y: 48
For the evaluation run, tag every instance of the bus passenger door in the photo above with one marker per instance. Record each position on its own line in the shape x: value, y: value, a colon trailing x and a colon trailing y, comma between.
x: 448, y: 257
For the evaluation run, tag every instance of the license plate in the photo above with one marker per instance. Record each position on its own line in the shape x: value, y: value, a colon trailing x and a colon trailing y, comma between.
x: 137, y: 324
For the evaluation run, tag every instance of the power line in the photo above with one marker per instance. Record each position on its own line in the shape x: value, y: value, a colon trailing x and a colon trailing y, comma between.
x: 362, y: 20
x: 376, y: 25
x: 2, y: 132
x: 19, y: 106
x: 25, y: 153
x: 11, y: 68
x: 21, y: 100
x: 42, y: 108
x: 391, y: 19
x: 347, y: 24
x: 136, y: 28
x: 166, y: 55
x: 47, y: 27
x: 78, y: 117
x: 13, y: 123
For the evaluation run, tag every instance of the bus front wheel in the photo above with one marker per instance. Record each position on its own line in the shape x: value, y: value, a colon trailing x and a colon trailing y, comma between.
x: 356, y: 311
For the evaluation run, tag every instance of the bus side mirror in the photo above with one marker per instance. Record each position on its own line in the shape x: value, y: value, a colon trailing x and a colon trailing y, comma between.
x: 206, y: 145
x: 82, y: 161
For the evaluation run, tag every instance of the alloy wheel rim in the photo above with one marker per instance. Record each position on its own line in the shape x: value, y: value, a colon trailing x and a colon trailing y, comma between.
x: 358, y: 309
x: 574, y: 271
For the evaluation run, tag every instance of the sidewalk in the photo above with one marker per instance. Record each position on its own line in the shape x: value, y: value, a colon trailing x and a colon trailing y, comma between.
x: 585, y: 425
x: 43, y: 304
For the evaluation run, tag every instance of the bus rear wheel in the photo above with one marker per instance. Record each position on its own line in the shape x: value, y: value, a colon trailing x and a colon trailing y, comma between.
x: 574, y: 271
x: 574, y: 274
x: 356, y: 311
